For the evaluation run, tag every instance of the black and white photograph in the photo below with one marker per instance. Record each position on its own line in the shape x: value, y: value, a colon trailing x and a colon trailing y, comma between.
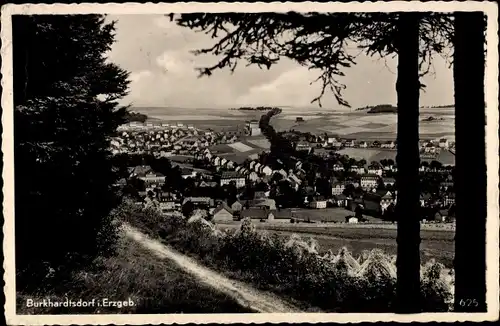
x: 250, y: 162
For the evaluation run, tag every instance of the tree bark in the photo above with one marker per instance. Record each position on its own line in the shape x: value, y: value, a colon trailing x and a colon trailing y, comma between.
x: 470, y: 158
x: 408, y: 161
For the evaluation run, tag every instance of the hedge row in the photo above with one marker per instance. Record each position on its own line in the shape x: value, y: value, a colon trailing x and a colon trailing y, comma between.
x: 293, y: 268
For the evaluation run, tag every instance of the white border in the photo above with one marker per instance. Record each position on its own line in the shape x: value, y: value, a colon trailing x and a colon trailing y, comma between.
x: 493, y: 255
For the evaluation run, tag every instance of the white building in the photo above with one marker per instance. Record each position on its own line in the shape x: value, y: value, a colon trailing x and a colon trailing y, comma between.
x: 369, y: 181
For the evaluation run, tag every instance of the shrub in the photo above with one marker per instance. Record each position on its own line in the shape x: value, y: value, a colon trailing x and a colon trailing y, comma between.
x: 333, y: 282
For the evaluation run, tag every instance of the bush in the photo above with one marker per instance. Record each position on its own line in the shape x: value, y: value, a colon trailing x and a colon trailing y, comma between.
x: 332, y: 282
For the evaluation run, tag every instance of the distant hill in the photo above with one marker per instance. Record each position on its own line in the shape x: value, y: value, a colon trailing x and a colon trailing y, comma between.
x: 381, y: 108
x: 131, y: 116
x: 441, y: 106
x: 431, y: 118
x: 258, y: 108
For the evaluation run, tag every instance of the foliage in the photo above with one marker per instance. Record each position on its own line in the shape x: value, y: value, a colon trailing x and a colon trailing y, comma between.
x: 319, y: 41
x: 332, y: 282
x: 66, y: 109
x: 135, y: 116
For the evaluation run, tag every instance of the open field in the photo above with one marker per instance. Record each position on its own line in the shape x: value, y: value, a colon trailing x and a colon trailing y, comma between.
x: 373, y: 154
x: 155, y: 286
x: 240, y: 147
x: 329, y: 215
x: 350, y: 124
x: 435, y: 244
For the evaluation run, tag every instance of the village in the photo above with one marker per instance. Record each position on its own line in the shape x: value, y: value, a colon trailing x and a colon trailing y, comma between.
x: 319, y: 186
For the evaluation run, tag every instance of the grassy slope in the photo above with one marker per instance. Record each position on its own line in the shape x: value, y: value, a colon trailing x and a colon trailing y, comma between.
x: 155, y: 286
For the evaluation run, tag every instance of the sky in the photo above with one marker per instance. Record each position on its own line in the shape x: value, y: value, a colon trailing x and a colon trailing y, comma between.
x: 157, y: 54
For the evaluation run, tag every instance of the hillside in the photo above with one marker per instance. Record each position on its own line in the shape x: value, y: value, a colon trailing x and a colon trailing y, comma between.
x: 134, y: 273
x: 381, y: 108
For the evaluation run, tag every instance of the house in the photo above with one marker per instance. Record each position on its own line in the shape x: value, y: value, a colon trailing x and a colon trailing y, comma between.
x: 441, y: 215
x: 429, y: 148
x: 267, y: 170
x: 443, y: 143
x: 386, y: 198
x: 188, y: 173
x: 369, y: 181
x: 167, y: 206
x: 295, y: 179
x: 217, y: 161
x: 375, y: 170
x: 167, y: 196
x: 388, y: 144
x: 153, y: 178
x: 352, y: 220
x: 222, y: 213
x: 357, y: 169
x: 263, y: 202
x: 232, y: 176
x: 259, y: 195
x: 388, y: 181
x: 318, y: 203
x: 340, y: 200
x: 303, y: 146
x: 378, y: 201
x: 348, y: 143
x: 363, y: 144
x: 230, y: 165
x: 236, y: 206
x: 338, y: 167
x: 207, y: 184
x: 253, y: 176
x: 332, y: 141
x: 449, y: 199
x: 255, y: 213
x: 199, y: 201
x: 338, y: 188
x: 139, y: 171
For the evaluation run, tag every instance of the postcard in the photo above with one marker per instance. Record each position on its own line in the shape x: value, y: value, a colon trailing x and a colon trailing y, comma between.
x: 250, y: 162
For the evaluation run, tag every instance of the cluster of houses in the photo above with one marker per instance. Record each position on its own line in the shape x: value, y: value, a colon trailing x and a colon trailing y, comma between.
x: 377, y: 186
x: 164, y: 140
x: 320, y: 141
x: 309, y: 141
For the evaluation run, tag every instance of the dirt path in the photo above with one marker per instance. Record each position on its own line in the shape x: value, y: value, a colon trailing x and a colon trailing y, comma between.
x: 242, y: 293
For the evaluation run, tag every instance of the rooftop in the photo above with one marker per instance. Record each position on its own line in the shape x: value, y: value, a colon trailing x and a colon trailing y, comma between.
x: 231, y: 175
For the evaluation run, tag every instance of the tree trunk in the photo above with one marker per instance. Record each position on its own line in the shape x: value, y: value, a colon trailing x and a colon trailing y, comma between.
x: 470, y: 158
x: 408, y: 160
